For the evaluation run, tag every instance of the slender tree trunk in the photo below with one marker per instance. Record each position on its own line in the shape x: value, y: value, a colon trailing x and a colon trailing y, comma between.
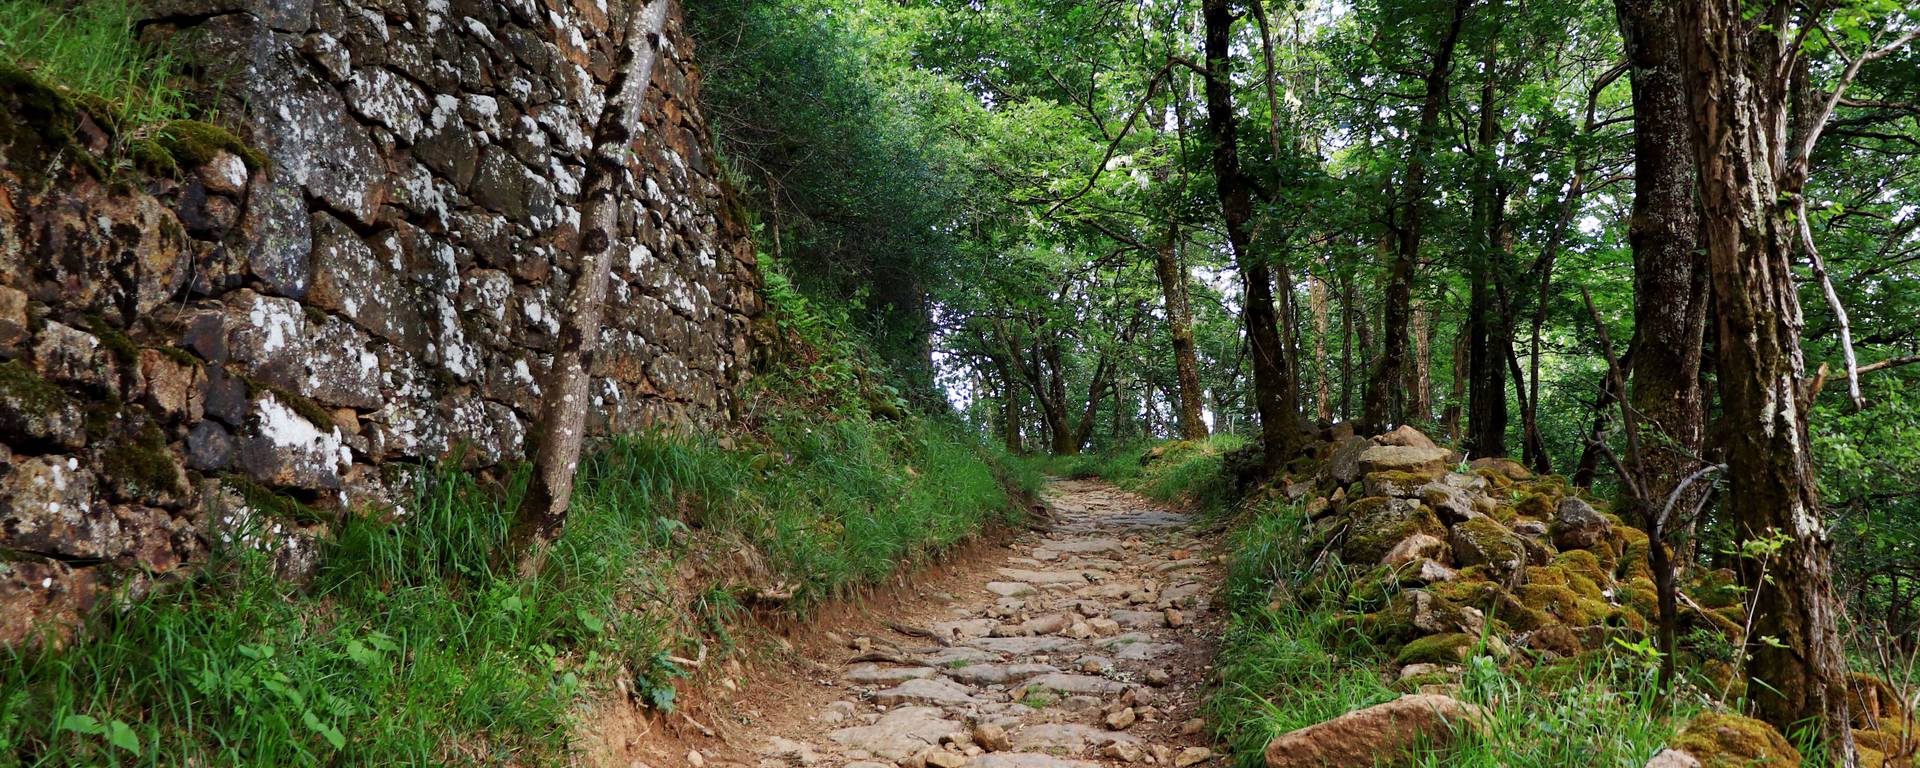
x: 1420, y: 378
x: 1322, y: 394
x: 1278, y: 408
x: 1457, y: 396
x: 1186, y: 361
x: 1669, y: 272
x: 1740, y: 116
x: 560, y: 432
x: 1384, y: 404
x: 1346, y: 346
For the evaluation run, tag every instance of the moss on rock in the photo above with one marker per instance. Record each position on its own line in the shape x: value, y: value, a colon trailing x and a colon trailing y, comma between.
x: 1375, y: 524
x: 1451, y: 648
x: 193, y: 143
x: 1563, y: 603
x: 1723, y: 740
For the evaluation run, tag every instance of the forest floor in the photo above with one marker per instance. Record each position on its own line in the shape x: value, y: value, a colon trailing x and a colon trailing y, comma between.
x: 1087, y: 640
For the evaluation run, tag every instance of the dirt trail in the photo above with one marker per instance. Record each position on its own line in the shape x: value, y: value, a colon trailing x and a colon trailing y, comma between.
x: 1087, y: 643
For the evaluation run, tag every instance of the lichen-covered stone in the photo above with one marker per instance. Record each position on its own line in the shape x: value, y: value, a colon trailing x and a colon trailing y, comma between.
x: 287, y: 448
x: 1376, y: 524
x: 1577, y: 525
x: 1482, y: 541
x: 361, y: 263
x: 47, y: 506
x: 34, y: 411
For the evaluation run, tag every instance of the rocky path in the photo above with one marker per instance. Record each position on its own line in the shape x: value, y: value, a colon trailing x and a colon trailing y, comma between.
x: 1084, y: 644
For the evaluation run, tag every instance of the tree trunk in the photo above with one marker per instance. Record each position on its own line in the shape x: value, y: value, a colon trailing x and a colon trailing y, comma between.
x: 1420, y: 379
x: 1278, y: 407
x: 1488, y: 327
x: 1739, y: 106
x: 1322, y: 390
x: 560, y: 433
x: 1669, y: 276
x: 1186, y: 362
x: 1384, y: 404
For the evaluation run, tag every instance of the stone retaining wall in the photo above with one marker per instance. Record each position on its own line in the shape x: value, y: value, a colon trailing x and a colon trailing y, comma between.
x: 375, y: 288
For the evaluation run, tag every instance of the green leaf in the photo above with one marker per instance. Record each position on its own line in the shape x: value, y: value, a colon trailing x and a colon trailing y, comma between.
x: 326, y: 730
x: 81, y: 724
x: 121, y: 735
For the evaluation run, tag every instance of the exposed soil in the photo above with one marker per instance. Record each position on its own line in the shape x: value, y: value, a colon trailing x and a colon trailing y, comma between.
x: 1087, y: 641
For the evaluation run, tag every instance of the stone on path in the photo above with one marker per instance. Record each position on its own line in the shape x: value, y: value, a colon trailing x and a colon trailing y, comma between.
x: 1066, y: 738
x: 998, y: 674
x: 898, y: 734
x: 1010, y: 588
x: 1071, y: 683
x: 1028, y: 760
x: 1388, y: 734
x: 934, y: 691
x: 875, y: 674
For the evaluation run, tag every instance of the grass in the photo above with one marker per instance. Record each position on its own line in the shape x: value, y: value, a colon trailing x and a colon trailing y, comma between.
x: 412, y: 645
x: 1285, y: 666
x: 1187, y: 471
x: 92, y: 50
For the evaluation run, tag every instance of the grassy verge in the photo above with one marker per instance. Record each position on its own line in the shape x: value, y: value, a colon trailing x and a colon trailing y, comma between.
x: 91, y: 50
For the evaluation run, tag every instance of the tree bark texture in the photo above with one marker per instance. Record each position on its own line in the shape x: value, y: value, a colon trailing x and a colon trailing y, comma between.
x: 1669, y: 272
x: 1739, y: 101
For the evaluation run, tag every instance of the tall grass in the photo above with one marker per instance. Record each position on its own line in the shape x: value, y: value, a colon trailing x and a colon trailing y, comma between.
x: 92, y: 50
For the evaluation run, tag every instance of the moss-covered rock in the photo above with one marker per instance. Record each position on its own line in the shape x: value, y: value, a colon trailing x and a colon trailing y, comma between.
x: 1564, y: 604
x: 1582, y: 562
x: 1484, y: 541
x: 193, y: 143
x: 1375, y: 524
x: 1396, y: 483
x: 1723, y: 740
x: 1635, y: 550
x: 1451, y: 648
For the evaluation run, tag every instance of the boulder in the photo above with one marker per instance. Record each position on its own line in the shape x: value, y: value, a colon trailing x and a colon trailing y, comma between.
x: 1399, y: 458
x: 1344, y: 465
x: 1419, y: 546
x: 1723, y: 740
x: 1377, y: 524
x: 1390, y: 734
x: 1482, y: 541
x: 1405, y: 436
x: 1577, y: 525
x: 1509, y: 469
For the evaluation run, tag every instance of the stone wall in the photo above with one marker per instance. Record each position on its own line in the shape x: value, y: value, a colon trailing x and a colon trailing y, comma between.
x: 368, y: 285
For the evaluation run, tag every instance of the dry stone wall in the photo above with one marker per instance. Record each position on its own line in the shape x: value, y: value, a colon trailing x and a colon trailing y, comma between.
x: 370, y: 284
